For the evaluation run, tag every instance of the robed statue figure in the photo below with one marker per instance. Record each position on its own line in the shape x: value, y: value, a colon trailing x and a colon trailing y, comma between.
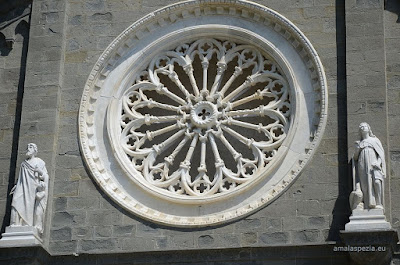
x: 30, y: 192
x: 368, y: 171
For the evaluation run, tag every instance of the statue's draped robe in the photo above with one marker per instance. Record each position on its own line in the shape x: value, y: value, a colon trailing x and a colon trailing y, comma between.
x: 41, y: 203
x: 25, y: 192
x: 371, y: 150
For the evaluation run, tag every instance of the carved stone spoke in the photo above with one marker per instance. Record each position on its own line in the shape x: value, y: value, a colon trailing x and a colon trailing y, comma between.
x: 227, y: 99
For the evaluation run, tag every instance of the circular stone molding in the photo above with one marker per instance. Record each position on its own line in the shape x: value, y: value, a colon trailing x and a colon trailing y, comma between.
x: 202, y: 112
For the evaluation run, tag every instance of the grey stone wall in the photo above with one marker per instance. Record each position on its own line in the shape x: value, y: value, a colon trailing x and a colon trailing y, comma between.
x: 40, y: 115
x: 291, y: 255
x: 365, y: 65
x: 392, y: 40
x: 84, y: 220
x: 66, y: 39
x: 14, y: 27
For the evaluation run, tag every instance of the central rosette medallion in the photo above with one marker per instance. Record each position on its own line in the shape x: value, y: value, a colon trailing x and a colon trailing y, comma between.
x: 204, y: 115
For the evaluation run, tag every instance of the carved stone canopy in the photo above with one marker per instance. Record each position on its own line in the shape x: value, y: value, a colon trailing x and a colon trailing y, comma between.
x: 202, y: 112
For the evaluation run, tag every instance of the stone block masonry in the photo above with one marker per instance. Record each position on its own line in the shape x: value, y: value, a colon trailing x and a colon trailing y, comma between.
x: 392, y: 38
x: 14, y: 38
x: 357, y: 42
x: 80, y: 206
x: 291, y: 255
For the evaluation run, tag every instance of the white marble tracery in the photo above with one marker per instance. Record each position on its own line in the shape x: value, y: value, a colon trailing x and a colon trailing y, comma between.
x: 201, y: 115
x: 163, y: 119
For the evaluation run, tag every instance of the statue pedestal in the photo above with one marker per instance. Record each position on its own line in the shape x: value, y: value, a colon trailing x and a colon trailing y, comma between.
x: 20, y: 236
x: 367, y: 220
x: 370, y: 247
x: 369, y: 238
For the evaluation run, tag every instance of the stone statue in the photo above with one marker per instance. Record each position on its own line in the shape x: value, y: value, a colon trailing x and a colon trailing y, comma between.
x: 30, y: 192
x: 368, y: 171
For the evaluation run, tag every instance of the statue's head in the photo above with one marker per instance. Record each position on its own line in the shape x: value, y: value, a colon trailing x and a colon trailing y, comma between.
x: 31, y: 149
x: 365, y: 129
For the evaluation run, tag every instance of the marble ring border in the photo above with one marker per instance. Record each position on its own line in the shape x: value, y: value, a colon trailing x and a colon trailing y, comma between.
x: 236, y: 34
x: 143, y: 26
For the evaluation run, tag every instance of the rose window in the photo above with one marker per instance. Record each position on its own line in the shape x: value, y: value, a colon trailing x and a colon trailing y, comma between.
x: 202, y: 112
x: 186, y: 119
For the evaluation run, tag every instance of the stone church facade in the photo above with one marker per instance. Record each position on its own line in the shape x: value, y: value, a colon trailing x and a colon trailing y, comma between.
x: 77, y: 77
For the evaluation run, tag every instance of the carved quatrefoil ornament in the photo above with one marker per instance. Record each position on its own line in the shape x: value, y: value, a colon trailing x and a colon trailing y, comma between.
x: 203, y: 112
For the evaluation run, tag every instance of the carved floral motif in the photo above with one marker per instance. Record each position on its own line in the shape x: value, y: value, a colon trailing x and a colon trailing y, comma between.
x: 204, y: 117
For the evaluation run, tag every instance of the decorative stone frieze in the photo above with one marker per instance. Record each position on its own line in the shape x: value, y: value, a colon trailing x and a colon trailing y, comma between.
x: 202, y: 112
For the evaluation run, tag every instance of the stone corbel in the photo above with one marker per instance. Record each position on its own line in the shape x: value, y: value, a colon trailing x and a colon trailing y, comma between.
x: 9, y: 35
x: 370, y: 247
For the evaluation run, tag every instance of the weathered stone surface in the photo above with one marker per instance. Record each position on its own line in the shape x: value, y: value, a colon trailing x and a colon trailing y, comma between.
x: 83, y: 203
x: 183, y: 241
x: 62, y: 234
x: 317, y: 222
x: 308, y: 208
x: 273, y: 224
x: 312, y: 208
x: 64, y: 247
x: 98, y: 245
x: 82, y: 233
x: 123, y: 231
x: 205, y: 241
x: 248, y: 224
x: 324, y: 255
x: 104, y: 217
x: 248, y: 239
x: 277, y: 238
x: 66, y: 188
x: 306, y: 236
x: 391, y: 16
x: 228, y: 240
x: 147, y: 230
x: 102, y: 231
x: 70, y: 218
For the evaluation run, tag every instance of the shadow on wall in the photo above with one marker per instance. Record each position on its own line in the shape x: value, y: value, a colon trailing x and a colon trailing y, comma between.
x: 5, y: 47
x: 11, y: 13
x: 341, y: 210
x: 394, y: 7
x: 14, y: 26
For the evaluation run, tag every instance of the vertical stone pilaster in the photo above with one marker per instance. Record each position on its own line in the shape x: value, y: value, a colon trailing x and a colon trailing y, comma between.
x: 44, y: 77
x: 366, y: 74
x: 392, y: 40
x: 14, y: 38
